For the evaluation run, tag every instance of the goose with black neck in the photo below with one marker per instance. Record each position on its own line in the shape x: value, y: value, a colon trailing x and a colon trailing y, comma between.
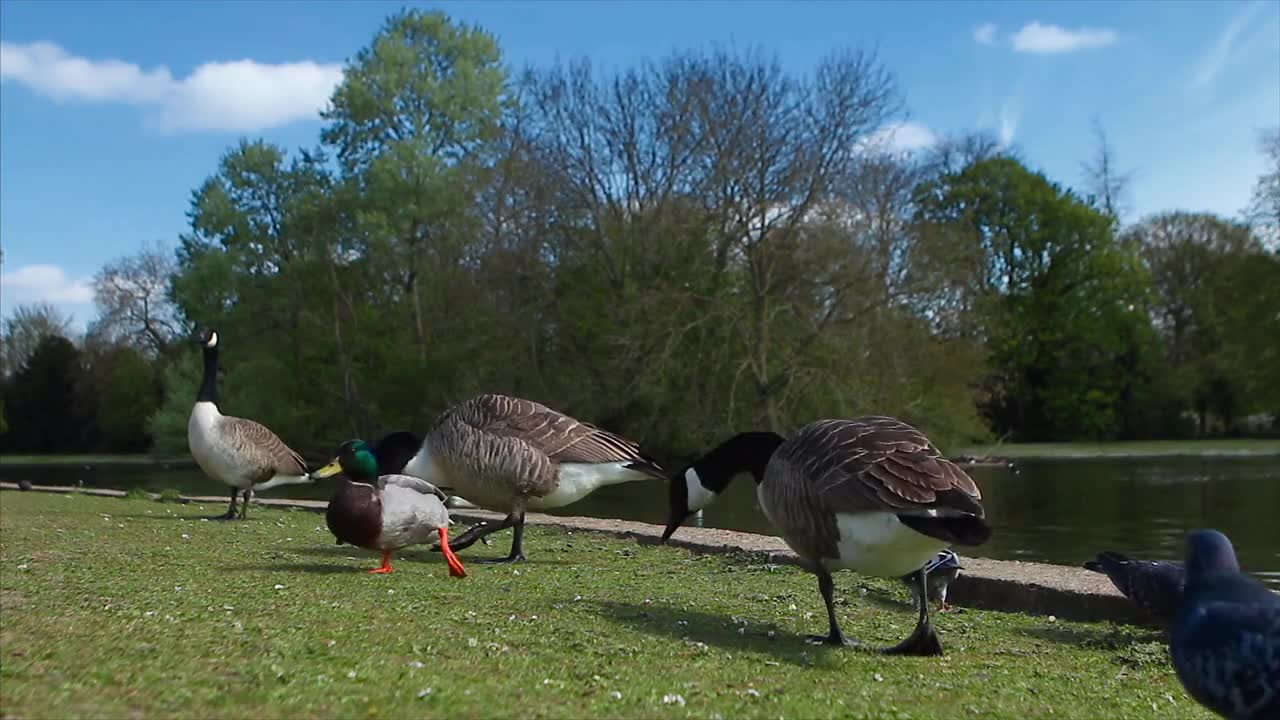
x: 869, y: 494
x: 241, y: 453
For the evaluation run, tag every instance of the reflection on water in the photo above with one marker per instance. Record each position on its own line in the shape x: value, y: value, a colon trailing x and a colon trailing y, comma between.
x: 1056, y: 511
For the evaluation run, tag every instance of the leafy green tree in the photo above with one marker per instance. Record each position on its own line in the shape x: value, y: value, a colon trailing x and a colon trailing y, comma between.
x: 23, y: 331
x: 1062, y: 303
x: 43, y: 401
x: 1217, y: 309
x: 125, y: 394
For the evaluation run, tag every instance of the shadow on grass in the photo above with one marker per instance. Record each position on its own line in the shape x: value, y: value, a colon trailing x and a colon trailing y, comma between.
x: 309, y: 568
x: 716, y: 630
x: 1100, y: 637
x: 418, y: 554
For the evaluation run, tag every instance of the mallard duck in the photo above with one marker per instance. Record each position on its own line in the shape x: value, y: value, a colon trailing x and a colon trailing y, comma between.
x: 384, y: 513
x: 1225, y: 642
x: 241, y: 453
x: 941, y: 570
x: 510, y: 455
x: 1153, y: 585
x: 870, y: 494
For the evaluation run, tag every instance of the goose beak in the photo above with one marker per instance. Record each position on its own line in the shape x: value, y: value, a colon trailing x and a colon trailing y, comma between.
x: 333, y: 468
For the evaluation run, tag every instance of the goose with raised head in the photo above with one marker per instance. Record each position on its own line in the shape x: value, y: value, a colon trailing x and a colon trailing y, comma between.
x: 241, y: 453
x: 1225, y: 639
x: 869, y: 494
x: 510, y: 455
x: 384, y: 512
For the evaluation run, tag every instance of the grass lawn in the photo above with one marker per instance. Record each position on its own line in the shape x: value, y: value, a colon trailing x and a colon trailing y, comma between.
x: 135, y: 608
x: 1144, y: 448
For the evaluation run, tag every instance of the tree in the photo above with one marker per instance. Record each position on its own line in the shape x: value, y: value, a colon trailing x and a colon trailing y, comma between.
x: 1264, y: 208
x: 132, y: 297
x: 407, y: 121
x: 43, y: 402
x: 1105, y: 184
x: 1061, y: 303
x: 25, y: 329
x: 125, y: 392
x: 1217, y: 308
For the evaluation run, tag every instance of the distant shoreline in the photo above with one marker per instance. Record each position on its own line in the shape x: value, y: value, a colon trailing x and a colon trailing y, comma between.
x: 1230, y: 448
x: 972, y: 455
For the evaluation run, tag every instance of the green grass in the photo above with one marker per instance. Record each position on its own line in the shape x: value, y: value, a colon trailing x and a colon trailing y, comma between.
x: 1146, y: 448
x: 122, y: 459
x: 131, y: 608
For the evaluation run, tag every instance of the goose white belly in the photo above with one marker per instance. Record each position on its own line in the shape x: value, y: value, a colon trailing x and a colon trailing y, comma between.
x: 214, y: 458
x: 578, y: 480
x: 878, y: 543
x: 873, y: 543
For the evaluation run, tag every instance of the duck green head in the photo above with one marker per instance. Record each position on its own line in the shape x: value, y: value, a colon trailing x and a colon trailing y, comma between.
x: 354, y: 458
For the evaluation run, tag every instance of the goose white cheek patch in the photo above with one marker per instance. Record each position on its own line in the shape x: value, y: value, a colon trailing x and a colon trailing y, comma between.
x: 699, y: 496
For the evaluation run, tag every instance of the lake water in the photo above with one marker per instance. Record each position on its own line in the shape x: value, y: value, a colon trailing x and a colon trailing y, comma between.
x: 1054, y: 511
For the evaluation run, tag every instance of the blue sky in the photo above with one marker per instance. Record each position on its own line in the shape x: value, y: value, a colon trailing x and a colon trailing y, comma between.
x: 111, y: 113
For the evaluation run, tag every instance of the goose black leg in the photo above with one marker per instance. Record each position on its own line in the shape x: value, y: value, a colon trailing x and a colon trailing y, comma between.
x: 517, y: 545
x: 469, y: 538
x: 244, y: 505
x: 924, y: 639
x: 835, y: 637
x: 230, y: 514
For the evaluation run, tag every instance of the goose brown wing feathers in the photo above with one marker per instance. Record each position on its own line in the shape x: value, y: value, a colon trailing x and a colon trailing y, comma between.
x: 559, y: 437
x: 268, y: 452
x: 878, y: 463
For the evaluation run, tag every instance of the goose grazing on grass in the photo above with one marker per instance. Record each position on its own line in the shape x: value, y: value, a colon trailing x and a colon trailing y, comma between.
x: 1225, y: 642
x: 870, y: 494
x: 241, y: 453
x: 941, y: 570
x: 1152, y: 585
x: 385, y: 512
x: 510, y: 455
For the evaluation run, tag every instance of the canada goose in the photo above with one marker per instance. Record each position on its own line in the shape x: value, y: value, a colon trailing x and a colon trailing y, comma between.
x: 385, y: 512
x: 941, y: 570
x: 1153, y: 585
x: 1225, y: 642
x: 510, y: 455
x: 241, y: 453
x: 870, y: 494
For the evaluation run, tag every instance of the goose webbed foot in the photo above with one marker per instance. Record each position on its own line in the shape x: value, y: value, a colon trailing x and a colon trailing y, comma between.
x: 514, y: 558
x: 835, y: 639
x: 924, y: 642
x: 468, y: 538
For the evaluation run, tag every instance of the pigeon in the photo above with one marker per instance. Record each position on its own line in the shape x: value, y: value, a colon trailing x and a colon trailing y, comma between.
x: 1225, y: 641
x: 1152, y: 585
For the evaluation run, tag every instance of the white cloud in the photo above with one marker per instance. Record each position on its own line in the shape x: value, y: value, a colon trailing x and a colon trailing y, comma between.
x: 1050, y: 39
x: 1222, y: 50
x: 48, y: 283
x: 985, y: 34
x: 1010, y: 113
x: 242, y: 95
x: 900, y: 137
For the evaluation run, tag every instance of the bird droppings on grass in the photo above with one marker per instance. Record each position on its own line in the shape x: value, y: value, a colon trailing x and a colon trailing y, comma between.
x: 600, y: 613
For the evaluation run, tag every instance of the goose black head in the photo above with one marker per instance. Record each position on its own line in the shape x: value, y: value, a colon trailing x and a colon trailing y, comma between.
x: 701, y: 482
x: 355, y: 459
x: 395, y: 450
x: 206, y: 338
